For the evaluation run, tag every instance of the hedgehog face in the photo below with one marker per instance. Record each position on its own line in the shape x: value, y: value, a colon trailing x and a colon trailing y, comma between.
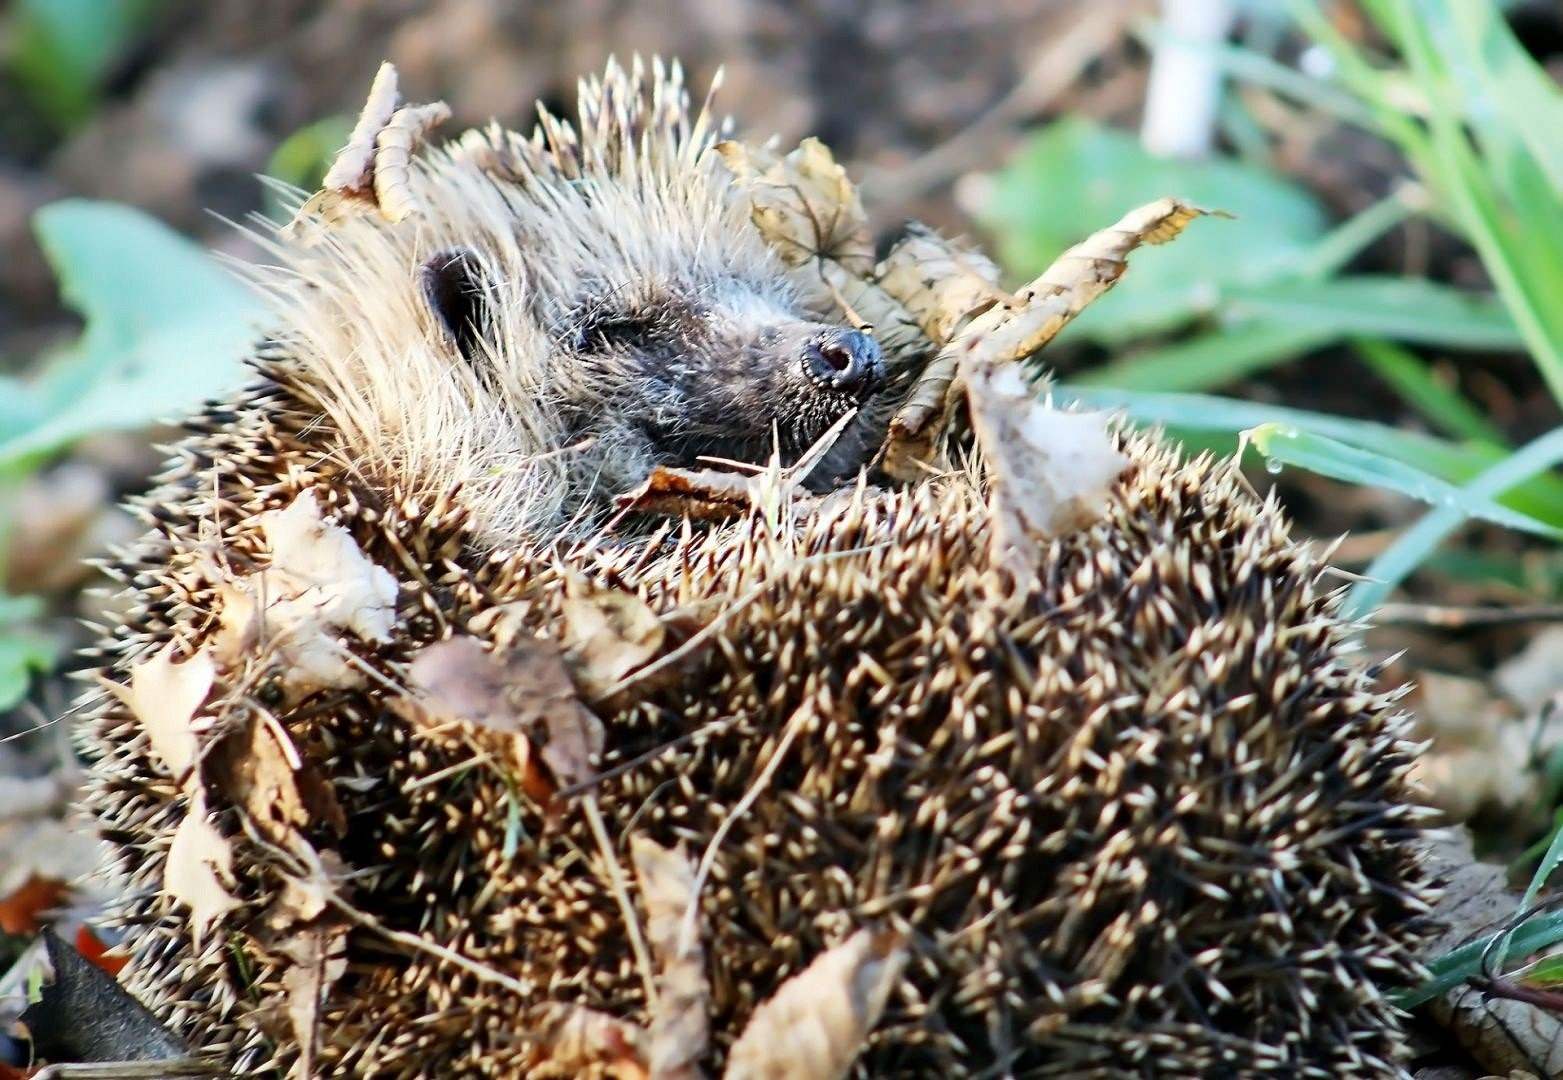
x: 730, y: 369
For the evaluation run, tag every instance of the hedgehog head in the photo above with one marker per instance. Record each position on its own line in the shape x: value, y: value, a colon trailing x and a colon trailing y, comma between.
x: 566, y: 312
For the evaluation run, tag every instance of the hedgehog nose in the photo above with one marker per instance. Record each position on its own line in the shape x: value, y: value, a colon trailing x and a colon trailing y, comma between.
x: 845, y: 360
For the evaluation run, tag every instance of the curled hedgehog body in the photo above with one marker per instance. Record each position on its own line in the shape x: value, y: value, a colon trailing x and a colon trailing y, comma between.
x: 1138, y: 814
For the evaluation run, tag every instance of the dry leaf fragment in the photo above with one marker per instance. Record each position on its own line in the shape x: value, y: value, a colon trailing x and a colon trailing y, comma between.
x: 575, y: 1041
x: 317, y: 584
x: 803, y: 204
x: 164, y: 695
x: 526, y: 691
x: 372, y: 172
x: 199, y: 869
x: 317, y: 958
x: 816, y: 1023
x: 939, y: 283
x: 1008, y: 333
x: 255, y: 770
x: 680, y: 1027
x: 1049, y: 471
x: 607, y: 634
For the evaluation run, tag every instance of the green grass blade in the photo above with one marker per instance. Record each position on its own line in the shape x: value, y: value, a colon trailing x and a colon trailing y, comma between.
x: 1404, y: 309
x: 1442, y: 405
x: 1211, y: 359
x: 1282, y: 444
x: 1540, y: 497
x: 1456, y: 967
x: 1397, y: 561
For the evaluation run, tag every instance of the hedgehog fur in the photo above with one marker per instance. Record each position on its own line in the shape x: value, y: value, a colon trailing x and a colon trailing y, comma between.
x: 1142, y: 814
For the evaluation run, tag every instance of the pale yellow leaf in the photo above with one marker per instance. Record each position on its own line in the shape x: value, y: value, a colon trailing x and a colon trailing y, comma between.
x: 680, y: 1027
x: 816, y: 1023
x: 163, y: 695
x: 199, y: 869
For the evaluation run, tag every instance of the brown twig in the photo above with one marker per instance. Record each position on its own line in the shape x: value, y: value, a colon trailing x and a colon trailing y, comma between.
x: 1453, y: 617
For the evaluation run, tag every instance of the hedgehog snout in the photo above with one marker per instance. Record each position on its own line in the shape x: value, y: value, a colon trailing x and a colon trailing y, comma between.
x: 848, y: 361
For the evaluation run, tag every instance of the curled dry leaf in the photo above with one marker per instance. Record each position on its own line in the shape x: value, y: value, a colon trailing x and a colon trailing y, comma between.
x: 371, y: 173
x: 1006, y: 333
x: 318, y: 584
x: 163, y: 695
x: 607, y: 634
x: 574, y: 1041
x: 199, y: 869
x: 526, y: 691
x: 816, y: 1023
x: 680, y: 1028
x: 1049, y: 471
x: 254, y: 768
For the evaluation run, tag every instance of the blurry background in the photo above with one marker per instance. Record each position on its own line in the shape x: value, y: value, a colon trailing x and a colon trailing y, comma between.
x: 1383, y: 318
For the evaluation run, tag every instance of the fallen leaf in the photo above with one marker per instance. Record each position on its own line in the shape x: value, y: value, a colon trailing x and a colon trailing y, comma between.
x: 317, y: 958
x: 680, y: 1027
x: 525, y: 691
x: 253, y: 769
x: 199, y: 868
x: 1049, y: 471
x: 572, y: 1039
x: 817, y: 1022
x: 44, y: 847
x: 318, y: 584
x: 608, y: 633
x: 1501, y: 1034
x: 803, y: 204
x: 941, y: 284
x: 163, y: 696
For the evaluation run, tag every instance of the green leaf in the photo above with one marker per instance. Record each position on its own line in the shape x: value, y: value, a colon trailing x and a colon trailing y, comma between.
x: 1074, y: 173
x: 1401, y: 308
x: 1543, y: 974
x: 1211, y: 359
x: 23, y: 650
x: 1282, y: 444
x: 61, y: 49
x: 167, y: 327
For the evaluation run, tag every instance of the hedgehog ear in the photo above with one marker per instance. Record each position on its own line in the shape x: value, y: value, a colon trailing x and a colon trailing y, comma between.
x: 455, y: 286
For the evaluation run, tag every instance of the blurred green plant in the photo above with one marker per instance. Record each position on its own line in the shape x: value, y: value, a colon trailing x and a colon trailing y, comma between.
x: 301, y: 160
x: 61, y: 50
x: 1476, y: 119
x: 166, y: 328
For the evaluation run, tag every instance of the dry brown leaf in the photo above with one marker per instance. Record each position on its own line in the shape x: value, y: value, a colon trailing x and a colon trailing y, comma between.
x: 803, y: 204
x: 939, y: 283
x: 44, y: 847
x: 255, y: 770
x: 1007, y: 333
x: 318, y: 584
x: 607, y: 634
x: 372, y: 172
x: 576, y: 1041
x: 680, y: 1027
x: 199, y: 870
x: 817, y: 1022
x: 163, y: 695
x: 1483, y: 755
x: 1049, y: 471
x: 1499, y: 1033
x: 526, y: 691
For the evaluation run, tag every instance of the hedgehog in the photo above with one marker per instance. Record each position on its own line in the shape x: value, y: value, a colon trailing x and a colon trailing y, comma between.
x: 409, y: 681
